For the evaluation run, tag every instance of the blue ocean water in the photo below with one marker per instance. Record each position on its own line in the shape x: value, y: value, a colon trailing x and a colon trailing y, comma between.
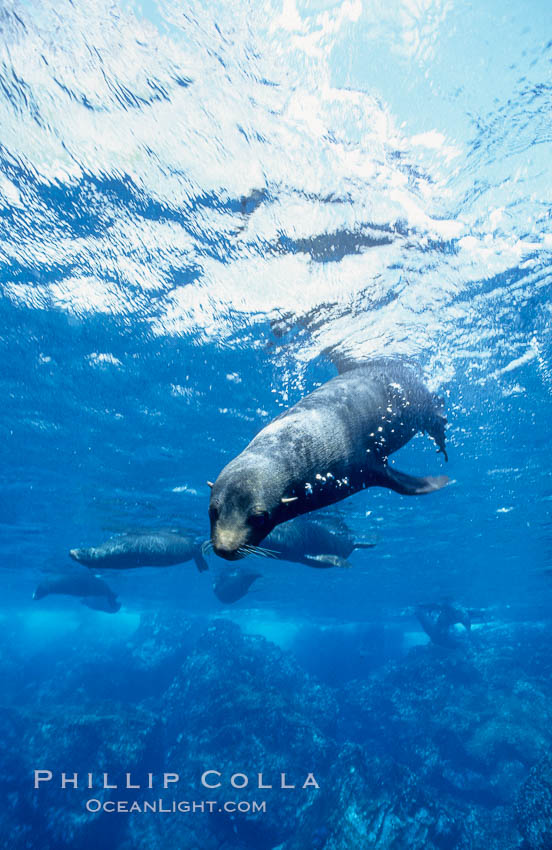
x: 199, y: 201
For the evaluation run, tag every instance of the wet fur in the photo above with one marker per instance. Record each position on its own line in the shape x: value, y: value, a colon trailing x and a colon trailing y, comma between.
x: 331, y: 444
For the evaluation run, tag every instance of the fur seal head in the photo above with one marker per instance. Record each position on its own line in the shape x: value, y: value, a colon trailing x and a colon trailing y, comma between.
x: 244, y: 507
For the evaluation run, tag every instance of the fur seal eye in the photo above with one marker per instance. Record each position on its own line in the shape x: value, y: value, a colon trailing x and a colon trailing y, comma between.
x: 258, y: 520
x: 213, y: 513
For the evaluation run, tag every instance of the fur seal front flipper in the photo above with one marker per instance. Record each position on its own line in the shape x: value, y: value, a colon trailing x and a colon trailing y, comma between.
x: 199, y: 560
x: 409, y: 485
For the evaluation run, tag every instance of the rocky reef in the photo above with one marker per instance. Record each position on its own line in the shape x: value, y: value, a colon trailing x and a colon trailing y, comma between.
x: 438, y: 749
x: 534, y: 806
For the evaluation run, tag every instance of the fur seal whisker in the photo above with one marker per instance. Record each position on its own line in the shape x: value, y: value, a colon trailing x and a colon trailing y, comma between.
x: 260, y: 551
x: 267, y: 553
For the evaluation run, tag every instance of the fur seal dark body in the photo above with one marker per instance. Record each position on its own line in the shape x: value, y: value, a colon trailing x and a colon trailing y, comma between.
x: 148, y: 549
x: 314, y: 542
x: 331, y: 444
x: 232, y: 583
x: 92, y: 591
x: 440, y: 622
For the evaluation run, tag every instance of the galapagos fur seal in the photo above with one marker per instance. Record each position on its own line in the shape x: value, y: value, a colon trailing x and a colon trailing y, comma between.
x: 324, y: 542
x: 331, y: 444
x: 444, y: 623
x: 232, y: 583
x: 93, y: 592
x: 147, y: 549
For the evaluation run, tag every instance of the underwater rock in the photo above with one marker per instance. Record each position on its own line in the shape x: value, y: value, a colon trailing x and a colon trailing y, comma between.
x: 241, y: 701
x: 373, y: 802
x: 147, y: 663
x: 162, y: 641
x: 534, y: 806
x: 74, y: 738
x: 129, y: 668
x: 467, y: 727
x: 430, y: 751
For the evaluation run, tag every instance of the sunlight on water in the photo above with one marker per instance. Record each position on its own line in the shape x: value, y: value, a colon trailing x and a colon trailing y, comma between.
x: 246, y: 186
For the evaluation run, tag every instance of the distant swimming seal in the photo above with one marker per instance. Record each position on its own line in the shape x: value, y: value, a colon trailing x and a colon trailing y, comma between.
x: 324, y: 542
x: 93, y: 592
x: 334, y: 442
x: 444, y: 623
x: 147, y: 549
x: 232, y: 583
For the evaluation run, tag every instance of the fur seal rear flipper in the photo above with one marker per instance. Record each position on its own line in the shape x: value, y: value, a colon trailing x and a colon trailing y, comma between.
x: 408, y: 485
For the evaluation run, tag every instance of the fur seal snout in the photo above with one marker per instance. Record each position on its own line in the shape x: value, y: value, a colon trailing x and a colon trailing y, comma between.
x: 243, y: 506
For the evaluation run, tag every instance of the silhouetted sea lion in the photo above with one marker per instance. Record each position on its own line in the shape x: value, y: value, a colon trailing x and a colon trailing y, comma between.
x: 147, y: 549
x: 93, y: 592
x: 315, y: 542
x: 334, y: 442
x: 232, y: 583
x: 444, y: 623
